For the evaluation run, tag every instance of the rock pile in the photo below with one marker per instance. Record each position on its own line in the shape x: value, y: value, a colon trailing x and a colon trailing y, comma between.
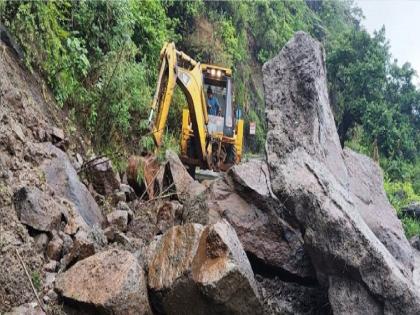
x: 307, y: 230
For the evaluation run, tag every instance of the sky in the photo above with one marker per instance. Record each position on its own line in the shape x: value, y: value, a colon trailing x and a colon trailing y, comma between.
x: 402, y: 27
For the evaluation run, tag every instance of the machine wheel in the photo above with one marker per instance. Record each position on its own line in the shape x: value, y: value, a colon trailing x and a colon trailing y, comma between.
x: 191, y: 170
x: 231, y: 154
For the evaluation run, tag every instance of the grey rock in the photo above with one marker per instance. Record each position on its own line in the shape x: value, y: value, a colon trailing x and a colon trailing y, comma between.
x: 185, y: 186
x: 350, y: 297
x: 201, y: 270
x: 119, y: 219
x: 102, y: 176
x: 129, y: 192
x: 62, y: 177
x: 41, y: 242
x: 51, y: 266
x: 366, y: 184
x: 111, y: 281
x: 309, y: 176
x: 262, y: 232
x: 37, y: 209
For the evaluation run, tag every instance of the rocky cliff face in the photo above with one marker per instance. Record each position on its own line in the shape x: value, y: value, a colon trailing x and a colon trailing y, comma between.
x: 350, y: 231
x: 306, y: 230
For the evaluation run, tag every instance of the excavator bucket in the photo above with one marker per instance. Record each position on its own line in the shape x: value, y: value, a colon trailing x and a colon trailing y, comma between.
x: 142, y: 175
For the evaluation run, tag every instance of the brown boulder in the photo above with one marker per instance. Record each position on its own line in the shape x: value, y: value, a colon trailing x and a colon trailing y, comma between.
x: 102, y: 176
x: 108, y: 282
x: 201, y: 270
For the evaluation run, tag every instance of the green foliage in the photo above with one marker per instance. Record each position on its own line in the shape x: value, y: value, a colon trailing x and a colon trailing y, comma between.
x: 401, y: 194
x: 36, y: 280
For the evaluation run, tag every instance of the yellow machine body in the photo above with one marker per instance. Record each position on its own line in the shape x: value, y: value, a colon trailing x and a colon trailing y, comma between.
x: 202, y: 144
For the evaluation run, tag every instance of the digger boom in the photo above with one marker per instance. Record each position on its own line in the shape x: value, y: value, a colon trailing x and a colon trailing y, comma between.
x: 199, y: 146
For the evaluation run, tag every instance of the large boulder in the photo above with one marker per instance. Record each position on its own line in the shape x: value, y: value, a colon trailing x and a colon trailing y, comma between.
x: 110, y: 282
x: 61, y: 176
x: 264, y: 235
x: 177, y: 175
x: 366, y: 184
x: 199, y: 269
x: 36, y: 209
x: 309, y: 176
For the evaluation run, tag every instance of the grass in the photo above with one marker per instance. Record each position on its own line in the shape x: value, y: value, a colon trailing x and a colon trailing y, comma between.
x: 401, y: 194
x: 36, y: 280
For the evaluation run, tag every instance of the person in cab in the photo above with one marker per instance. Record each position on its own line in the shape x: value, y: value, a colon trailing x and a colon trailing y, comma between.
x: 212, y: 103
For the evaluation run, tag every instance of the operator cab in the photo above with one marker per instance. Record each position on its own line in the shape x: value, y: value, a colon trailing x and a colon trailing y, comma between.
x: 220, y: 81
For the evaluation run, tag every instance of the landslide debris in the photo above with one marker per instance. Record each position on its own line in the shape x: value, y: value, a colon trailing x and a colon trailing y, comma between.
x: 305, y: 230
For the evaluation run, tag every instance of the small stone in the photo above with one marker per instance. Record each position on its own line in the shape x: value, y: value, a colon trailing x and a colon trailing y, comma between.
x: 119, y: 196
x: 41, y: 242
x: 51, y: 266
x: 54, y: 248
x: 129, y: 192
x: 118, y: 218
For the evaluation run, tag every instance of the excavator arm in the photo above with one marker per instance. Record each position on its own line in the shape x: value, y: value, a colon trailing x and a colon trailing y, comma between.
x: 178, y: 68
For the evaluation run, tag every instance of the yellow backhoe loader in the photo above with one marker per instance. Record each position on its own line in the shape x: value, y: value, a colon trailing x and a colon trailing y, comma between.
x: 207, y: 141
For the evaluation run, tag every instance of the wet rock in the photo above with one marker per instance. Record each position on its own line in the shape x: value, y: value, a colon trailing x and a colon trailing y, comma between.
x: 55, y: 247
x: 102, y: 176
x: 62, y: 178
x: 261, y: 230
x: 109, y: 282
x: 119, y: 219
x: 175, y: 173
x: 309, y: 176
x: 350, y: 297
x: 413, y: 209
x: 201, y: 270
x: 370, y: 200
x: 36, y: 209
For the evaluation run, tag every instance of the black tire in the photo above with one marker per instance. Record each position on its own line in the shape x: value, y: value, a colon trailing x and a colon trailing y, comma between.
x: 191, y: 170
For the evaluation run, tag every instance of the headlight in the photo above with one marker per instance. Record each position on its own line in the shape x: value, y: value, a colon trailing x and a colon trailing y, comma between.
x: 213, y: 72
x: 219, y: 73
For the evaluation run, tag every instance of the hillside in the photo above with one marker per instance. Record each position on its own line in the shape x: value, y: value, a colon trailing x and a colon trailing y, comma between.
x: 306, y: 230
